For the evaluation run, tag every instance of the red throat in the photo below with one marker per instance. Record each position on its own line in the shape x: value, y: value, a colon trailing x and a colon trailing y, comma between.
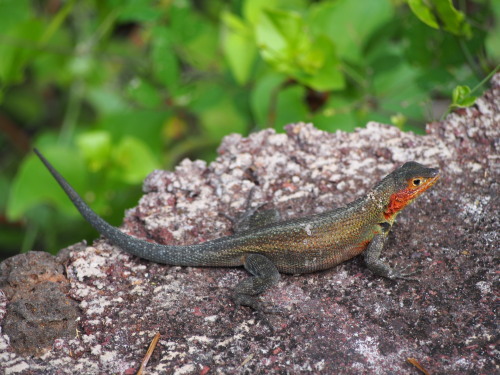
x: 397, y: 202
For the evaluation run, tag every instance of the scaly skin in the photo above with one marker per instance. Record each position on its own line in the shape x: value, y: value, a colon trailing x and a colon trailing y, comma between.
x: 294, y: 246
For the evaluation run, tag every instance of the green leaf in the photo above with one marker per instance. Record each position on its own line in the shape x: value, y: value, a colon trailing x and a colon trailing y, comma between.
x: 144, y: 93
x: 165, y: 64
x: 222, y: 118
x: 145, y: 125
x: 138, y: 10
x: 459, y: 92
x: 252, y: 9
x: 431, y: 50
x: 441, y: 13
x: 424, y: 13
x: 13, y: 12
x: 26, y: 104
x: 51, y: 67
x: 461, y: 97
x: 96, y: 147
x: 239, y: 47
x: 106, y: 100
x: 290, y: 107
x: 133, y: 159
x: 337, y: 114
x: 397, y: 91
x: 13, y: 57
x: 279, y: 34
x: 492, y: 41
x: 453, y: 20
x: 82, y: 66
x: 326, y: 71
x: 285, y: 45
x: 4, y: 190
x: 263, y: 96
x: 33, y: 184
x: 350, y: 24
x: 195, y: 37
x: 399, y: 120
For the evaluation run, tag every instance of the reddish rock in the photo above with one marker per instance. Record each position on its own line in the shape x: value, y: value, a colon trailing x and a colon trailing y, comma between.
x: 344, y: 320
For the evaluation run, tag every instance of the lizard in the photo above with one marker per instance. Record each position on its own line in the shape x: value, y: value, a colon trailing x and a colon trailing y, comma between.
x: 295, y: 246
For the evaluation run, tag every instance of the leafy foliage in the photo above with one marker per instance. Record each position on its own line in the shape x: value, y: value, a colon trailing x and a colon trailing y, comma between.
x: 110, y: 90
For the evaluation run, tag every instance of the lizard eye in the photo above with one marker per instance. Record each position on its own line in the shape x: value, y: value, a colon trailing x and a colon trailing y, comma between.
x: 416, y: 181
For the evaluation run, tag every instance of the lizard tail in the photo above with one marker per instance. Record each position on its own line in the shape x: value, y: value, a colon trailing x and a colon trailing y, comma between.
x: 190, y: 255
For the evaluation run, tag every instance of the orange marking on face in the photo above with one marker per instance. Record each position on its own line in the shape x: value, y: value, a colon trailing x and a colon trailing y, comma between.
x: 404, y: 197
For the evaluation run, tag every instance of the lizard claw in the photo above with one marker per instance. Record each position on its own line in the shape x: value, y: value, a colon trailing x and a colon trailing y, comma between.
x: 262, y: 317
x: 401, y: 273
x: 258, y: 307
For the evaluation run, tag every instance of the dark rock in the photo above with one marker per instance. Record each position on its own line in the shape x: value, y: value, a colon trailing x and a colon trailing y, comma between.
x: 41, y: 316
x: 39, y: 311
x: 20, y: 273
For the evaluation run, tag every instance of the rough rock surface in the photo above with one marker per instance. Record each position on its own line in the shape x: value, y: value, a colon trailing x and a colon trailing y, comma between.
x: 39, y: 310
x: 344, y: 320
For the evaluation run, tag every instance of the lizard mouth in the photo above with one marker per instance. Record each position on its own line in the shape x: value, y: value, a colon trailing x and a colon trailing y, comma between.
x: 432, y: 180
x: 427, y: 183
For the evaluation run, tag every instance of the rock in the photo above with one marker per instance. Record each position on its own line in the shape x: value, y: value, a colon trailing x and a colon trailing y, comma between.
x: 344, y: 320
x: 39, y: 311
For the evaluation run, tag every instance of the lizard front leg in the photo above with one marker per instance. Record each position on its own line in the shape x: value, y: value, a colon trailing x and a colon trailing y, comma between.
x: 265, y: 275
x: 376, y: 265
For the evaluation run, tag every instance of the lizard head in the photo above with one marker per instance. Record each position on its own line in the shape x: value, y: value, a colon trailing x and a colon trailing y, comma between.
x: 409, y: 181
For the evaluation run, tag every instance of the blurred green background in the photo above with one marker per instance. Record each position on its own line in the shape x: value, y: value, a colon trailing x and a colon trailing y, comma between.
x: 111, y: 89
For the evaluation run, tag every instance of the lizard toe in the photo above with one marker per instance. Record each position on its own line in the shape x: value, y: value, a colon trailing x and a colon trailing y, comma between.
x: 402, y: 273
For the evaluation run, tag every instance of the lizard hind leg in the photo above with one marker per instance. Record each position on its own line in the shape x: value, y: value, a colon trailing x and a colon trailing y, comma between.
x: 264, y: 275
x: 253, y: 217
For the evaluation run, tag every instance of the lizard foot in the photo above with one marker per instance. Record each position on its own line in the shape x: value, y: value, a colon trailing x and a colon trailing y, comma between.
x: 260, y: 309
x: 401, y: 273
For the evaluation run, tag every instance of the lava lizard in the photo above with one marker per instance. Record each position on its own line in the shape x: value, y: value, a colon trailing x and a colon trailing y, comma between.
x: 294, y: 246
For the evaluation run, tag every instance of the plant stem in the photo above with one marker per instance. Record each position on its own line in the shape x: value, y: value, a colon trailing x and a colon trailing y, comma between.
x: 72, y: 111
x: 486, y: 79
x: 468, y: 57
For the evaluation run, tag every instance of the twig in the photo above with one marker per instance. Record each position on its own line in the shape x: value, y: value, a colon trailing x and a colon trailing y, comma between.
x: 417, y: 364
x: 151, y: 348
